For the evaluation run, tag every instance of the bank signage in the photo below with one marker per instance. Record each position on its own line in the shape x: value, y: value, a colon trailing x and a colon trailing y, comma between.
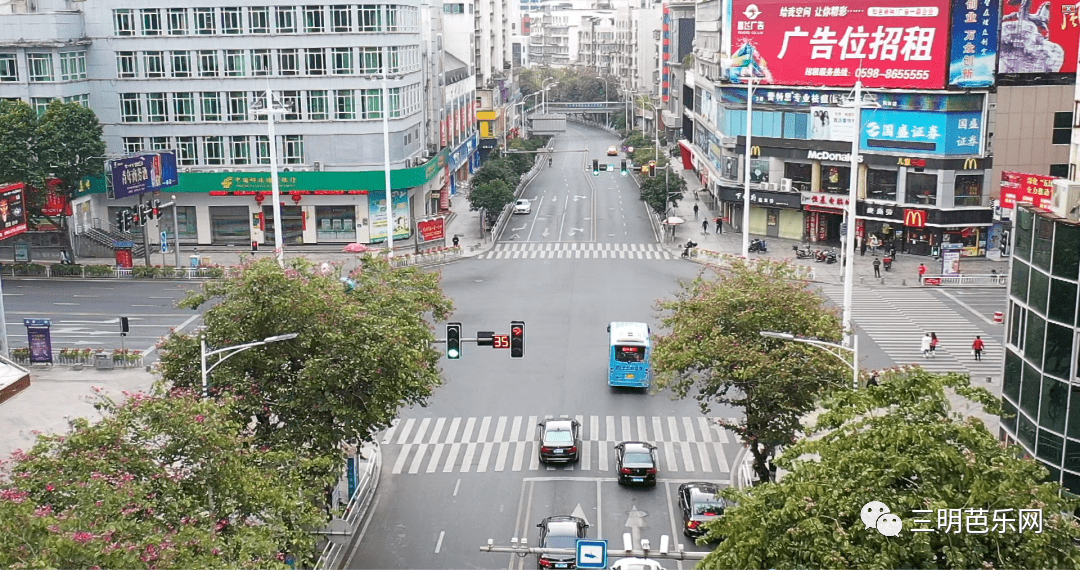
x: 943, y: 134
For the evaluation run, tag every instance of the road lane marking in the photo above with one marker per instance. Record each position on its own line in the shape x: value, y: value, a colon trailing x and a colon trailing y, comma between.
x: 466, y: 436
x: 405, y: 430
x: 669, y: 455
x: 499, y: 429
x: 466, y: 462
x: 689, y: 427
x: 457, y: 486
x: 438, y: 545
x: 626, y: 436
x: 673, y: 429
x: 485, y: 454
x: 436, y: 430
x: 451, y: 457
x: 436, y: 454
x: 585, y: 453
x: 706, y: 431
x: 500, y: 459
x: 703, y: 456
x: 452, y: 432
x: 642, y: 432
x: 721, y: 460
x: 519, y: 455
x: 515, y: 428
x: 420, y: 431
x: 610, y: 435
x: 601, y: 463
x: 401, y: 458
x: 484, y: 425
x: 414, y: 467
x: 389, y: 435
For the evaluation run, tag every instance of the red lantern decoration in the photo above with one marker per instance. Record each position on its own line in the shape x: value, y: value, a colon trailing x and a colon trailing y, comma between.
x: 259, y: 198
x: 296, y: 198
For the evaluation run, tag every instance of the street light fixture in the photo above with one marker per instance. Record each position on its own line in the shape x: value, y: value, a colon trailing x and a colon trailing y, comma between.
x: 827, y: 347
x: 270, y: 107
x: 231, y: 350
x: 656, y: 123
x: 543, y: 89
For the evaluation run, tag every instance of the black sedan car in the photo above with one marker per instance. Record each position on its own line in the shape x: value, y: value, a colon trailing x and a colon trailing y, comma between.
x: 700, y: 503
x: 560, y: 531
x: 635, y: 462
x: 560, y: 440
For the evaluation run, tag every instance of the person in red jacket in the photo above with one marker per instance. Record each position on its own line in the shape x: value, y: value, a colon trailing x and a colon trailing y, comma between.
x: 977, y: 347
x: 922, y: 271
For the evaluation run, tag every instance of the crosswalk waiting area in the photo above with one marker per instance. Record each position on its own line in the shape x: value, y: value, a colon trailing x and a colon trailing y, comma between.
x: 577, y: 250
x: 508, y: 443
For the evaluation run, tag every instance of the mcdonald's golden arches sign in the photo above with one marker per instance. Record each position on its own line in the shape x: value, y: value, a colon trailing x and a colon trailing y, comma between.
x: 915, y: 218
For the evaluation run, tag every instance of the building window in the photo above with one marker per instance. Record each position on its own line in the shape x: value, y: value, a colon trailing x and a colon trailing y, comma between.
x: 288, y: 62
x: 9, y: 67
x: 313, y: 20
x: 187, y: 152
x: 343, y: 61
x: 834, y: 179
x: 72, y: 65
x: 214, y: 150
x: 372, y: 104
x: 318, y: 104
x: 83, y: 99
x: 184, y: 107
x: 335, y: 223
x: 341, y: 17
x: 261, y: 63
x: 124, y: 22
x: 232, y: 20
x: 881, y: 184
x: 238, y: 106
x: 154, y: 63
x: 968, y: 190
x: 178, y: 21
x: 1062, y: 128
x: 235, y: 63
x: 370, y: 60
x: 127, y: 64
x: 40, y: 104
x: 292, y: 149
x: 160, y: 143
x: 151, y: 22
x: 41, y: 66
x: 316, y: 61
x: 239, y: 150
x: 291, y: 101
x: 133, y: 144
x: 130, y: 108
x: 211, y: 106
x: 344, y: 104
x: 259, y: 19
x: 393, y: 21
x: 157, y: 110
x: 1059, y: 170
x: 262, y: 150
x: 370, y: 18
x: 185, y: 217
x: 285, y: 19
x: 921, y: 189
x: 181, y: 64
x: 205, y: 24
x: 208, y: 63
x: 393, y: 59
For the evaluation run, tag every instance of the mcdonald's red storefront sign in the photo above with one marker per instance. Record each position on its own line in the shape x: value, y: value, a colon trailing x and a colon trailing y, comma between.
x: 915, y: 218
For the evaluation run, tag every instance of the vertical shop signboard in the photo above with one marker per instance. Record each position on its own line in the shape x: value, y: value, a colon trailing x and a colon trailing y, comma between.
x: 38, y: 340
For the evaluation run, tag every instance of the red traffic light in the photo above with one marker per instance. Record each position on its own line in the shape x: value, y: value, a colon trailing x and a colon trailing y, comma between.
x: 516, y: 330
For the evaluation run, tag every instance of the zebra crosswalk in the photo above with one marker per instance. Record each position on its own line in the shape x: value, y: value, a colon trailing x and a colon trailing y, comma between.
x: 897, y: 319
x: 577, y: 250
x: 508, y: 443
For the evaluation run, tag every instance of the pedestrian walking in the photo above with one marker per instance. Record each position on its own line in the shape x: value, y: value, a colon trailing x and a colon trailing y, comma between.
x: 719, y: 225
x: 695, y: 211
x: 705, y: 227
x: 978, y: 347
x: 922, y: 271
x: 862, y: 245
x: 873, y: 381
x: 924, y: 345
x: 874, y: 244
x: 877, y: 267
x: 933, y: 345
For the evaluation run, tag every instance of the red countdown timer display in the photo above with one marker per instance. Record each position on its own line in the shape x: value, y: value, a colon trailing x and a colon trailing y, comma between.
x: 501, y: 341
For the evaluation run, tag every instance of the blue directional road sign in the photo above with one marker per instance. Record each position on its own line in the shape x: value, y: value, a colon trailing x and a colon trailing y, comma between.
x: 591, y: 553
x: 164, y: 242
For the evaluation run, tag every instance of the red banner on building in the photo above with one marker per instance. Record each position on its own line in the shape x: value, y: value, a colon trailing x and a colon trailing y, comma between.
x: 56, y: 202
x: 442, y: 132
x: 1034, y: 189
x: 432, y: 229
x: 883, y: 43
x: 1039, y: 37
x: 12, y: 210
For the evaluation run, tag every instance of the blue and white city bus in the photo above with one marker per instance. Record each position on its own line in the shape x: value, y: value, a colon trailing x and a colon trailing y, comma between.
x: 629, y: 352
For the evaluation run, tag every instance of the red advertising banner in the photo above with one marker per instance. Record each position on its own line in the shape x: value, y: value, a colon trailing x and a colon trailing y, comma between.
x: 432, y: 229
x: 1039, y: 37
x: 1035, y: 189
x: 883, y: 43
x: 12, y: 211
x: 442, y: 132
x: 56, y: 202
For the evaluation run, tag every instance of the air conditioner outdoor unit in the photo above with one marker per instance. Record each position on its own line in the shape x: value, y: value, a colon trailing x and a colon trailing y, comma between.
x: 785, y: 184
x: 317, y: 166
x: 728, y: 142
x: 1065, y: 201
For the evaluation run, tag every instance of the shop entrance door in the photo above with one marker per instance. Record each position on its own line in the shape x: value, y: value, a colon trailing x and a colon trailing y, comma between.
x: 292, y: 224
x: 772, y: 222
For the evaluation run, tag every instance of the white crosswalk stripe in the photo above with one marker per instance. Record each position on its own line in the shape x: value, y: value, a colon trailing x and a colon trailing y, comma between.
x: 507, y: 443
x: 577, y: 250
x: 898, y: 318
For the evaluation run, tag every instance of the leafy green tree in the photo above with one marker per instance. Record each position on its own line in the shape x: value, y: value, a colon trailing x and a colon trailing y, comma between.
x: 18, y: 138
x: 163, y: 481
x: 359, y: 357
x: 715, y: 347
x: 497, y: 169
x: 661, y: 190
x: 492, y: 197
x: 901, y: 444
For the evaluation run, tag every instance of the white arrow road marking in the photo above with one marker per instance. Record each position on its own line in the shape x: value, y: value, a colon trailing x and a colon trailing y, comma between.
x: 514, y: 236
x: 574, y: 230
x: 576, y: 198
x: 636, y: 521
x: 545, y: 234
x: 519, y: 229
x: 580, y: 513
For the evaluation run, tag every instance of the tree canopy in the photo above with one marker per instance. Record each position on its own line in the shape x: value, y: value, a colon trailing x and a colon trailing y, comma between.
x: 901, y: 444
x: 663, y: 189
x: 359, y: 355
x: 163, y: 481
x: 715, y: 347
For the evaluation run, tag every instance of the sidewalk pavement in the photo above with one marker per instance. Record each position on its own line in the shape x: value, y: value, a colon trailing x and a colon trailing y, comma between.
x: 904, y: 268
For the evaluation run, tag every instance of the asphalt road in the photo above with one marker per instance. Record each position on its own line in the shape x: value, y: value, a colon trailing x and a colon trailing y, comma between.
x: 86, y: 313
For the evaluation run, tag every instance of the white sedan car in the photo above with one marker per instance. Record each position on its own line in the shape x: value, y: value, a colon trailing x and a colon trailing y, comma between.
x: 636, y: 564
x: 522, y: 207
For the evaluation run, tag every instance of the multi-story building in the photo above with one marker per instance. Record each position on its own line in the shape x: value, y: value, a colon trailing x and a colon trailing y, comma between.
x: 162, y: 77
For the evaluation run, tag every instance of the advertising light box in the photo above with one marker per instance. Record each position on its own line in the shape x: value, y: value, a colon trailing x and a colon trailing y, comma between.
x: 883, y: 43
x: 1039, y: 37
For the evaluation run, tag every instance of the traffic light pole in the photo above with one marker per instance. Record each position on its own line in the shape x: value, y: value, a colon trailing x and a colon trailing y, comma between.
x: 145, y: 233
x: 176, y: 232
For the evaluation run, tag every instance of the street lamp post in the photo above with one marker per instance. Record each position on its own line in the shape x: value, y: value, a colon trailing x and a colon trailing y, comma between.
x: 543, y: 89
x: 606, y: 119
x: 271, y: 107
x: 656, y: 123
x: 746, y: 166
x: 386, y: 165
x: 827, y: 347
x: 231, y: 350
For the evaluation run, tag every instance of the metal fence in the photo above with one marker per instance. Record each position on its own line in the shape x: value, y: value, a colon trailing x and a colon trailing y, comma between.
x: 991, y: 280
x: 333, y: 555
x: 110, y: 272
x: 725, y: 260
x: 432, y: 257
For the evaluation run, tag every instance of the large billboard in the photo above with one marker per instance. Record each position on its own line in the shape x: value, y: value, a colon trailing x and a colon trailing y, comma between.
x: 136, y: 175
x: 974, y: 42
x: 921, y: 132
x: 1039, y: 37
x: 1035, y: 189
x: 12, y: 210
x: 883, y: 43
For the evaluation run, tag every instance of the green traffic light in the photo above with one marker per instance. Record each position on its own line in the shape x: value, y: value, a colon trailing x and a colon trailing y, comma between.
x: 452, y: 353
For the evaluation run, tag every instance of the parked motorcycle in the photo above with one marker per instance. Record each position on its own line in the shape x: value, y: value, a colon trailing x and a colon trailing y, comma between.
x: 820, y: 255
x: 689, y: 245
x: 803, y: 252
x: 830, y: 257
x: 887, y: 262
x: 758, y: 245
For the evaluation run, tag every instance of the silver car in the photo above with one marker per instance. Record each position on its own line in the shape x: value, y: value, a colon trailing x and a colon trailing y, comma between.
x: 522, y: 207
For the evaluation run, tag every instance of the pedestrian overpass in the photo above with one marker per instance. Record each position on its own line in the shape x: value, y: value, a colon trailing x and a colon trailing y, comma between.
x: 552, y: 120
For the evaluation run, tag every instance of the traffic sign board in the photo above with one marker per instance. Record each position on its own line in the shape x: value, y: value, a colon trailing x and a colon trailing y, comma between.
x: 591, y: 553
x: 164, y: 242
